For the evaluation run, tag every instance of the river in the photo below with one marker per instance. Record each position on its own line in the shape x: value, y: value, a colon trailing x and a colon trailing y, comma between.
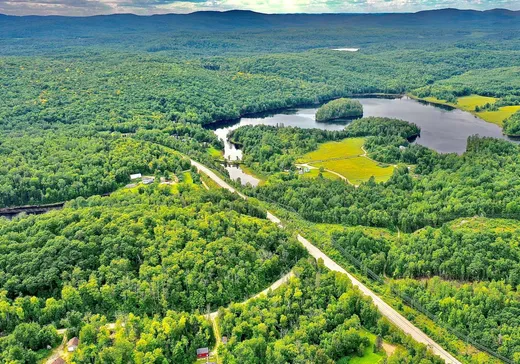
x: 443, y: 129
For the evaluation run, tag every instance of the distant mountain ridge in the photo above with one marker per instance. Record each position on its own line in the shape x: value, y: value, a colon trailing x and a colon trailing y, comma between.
x: 248, y: 19
x: 250, y: 13
x: 212, y: 32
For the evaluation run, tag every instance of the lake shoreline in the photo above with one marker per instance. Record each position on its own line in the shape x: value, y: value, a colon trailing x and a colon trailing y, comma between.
x: 451, y: 106
x: 443, y: 129
x: 267, y: 112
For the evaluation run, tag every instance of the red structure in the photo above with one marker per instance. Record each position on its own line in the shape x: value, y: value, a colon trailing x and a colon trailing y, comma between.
x: 202, y: 353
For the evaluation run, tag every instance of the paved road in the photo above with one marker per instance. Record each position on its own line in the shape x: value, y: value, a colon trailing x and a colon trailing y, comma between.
x: 385, y: 309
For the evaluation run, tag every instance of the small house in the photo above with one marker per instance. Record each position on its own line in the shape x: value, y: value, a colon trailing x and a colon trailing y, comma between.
x: 303, y: 169
x: 148, y: 180
x: 135, y: 176
x: 72, y: 345
x: 202, y: 353
x: 402, y: 147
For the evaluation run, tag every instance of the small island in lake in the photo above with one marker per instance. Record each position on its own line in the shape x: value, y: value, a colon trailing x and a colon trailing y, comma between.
x: 339, y: 109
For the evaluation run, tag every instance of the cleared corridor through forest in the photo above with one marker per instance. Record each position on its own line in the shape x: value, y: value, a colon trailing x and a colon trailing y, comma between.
x: 385, y: 309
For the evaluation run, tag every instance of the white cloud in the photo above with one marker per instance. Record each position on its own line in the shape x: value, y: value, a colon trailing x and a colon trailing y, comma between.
x: 89, y: 7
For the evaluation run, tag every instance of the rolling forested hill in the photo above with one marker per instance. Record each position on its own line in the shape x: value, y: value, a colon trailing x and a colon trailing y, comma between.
x: 243, y: 32
x: 85, y: 102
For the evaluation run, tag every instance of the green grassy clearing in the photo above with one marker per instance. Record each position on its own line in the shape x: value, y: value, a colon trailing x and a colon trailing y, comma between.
x: 477, y: 224
x: 314, y: 173
x: 172, y: 189
x: 350, y: 147
x: 215, y: 153
x: 358, y: 169
x: 345, y: 157
x: 43, y: 354
x: 376, y: 232
x: 435, y: 100
x: 209, y: 182
x: 187, y: 178
x: 369, y: 357
x: 466, y: 103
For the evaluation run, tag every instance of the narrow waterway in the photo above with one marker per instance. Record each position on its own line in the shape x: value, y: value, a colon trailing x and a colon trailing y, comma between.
x: 443, y: 129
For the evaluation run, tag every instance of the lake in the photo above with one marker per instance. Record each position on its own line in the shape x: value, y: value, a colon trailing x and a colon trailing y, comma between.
x: 443, y: 129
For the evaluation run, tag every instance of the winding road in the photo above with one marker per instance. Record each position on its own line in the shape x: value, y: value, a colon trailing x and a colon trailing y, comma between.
x: 342, y: 177
x: 386, y: 310
x: 272, y: 287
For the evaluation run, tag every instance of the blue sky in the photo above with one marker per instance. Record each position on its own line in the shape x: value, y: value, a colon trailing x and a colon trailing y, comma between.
x: 91, y: 7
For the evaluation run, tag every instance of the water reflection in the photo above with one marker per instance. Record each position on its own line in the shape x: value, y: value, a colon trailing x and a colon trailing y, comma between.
x: 236, y: 173
x: 443, y: 129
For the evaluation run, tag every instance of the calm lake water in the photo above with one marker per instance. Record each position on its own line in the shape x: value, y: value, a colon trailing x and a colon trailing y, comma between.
x: 442, y: 129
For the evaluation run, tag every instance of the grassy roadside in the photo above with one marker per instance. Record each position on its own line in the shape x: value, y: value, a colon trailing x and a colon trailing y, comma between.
x: 259, y: 176
x: 320, y: 235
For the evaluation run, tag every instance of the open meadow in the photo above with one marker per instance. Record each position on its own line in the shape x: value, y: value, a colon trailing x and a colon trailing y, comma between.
x: 469, y: 103
x: 348, y: 159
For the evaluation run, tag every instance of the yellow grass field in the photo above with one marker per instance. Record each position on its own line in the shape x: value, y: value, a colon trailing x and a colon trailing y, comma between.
x: 314, y: 173
x: 498, y: 117
x: 468, y: 103
x: 347, y: 158
x: 358, y: 169
x: 346, y: 148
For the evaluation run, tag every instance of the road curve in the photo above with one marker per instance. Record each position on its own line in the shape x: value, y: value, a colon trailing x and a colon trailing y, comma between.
x: 272, y: 287
x: 386, y: 310
x: 342, y: 177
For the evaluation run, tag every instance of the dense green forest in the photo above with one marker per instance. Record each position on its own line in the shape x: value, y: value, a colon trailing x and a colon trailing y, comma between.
x: 318, y: 317
x: 244, y: 32
x: 465, y: 250
x: 512, y: 125
x: 338, y: 109
x: 110, y: 90
x: 497, y: 82
x: 51, y: 167
x: 174, y: 338
x: 159, y: 248
x: 469, y: 253
x: 269, y: 149
x: 487, y: 311
x: 483, y: 181
x: 451, y: 252
x: 85, y: 102
x: 274, y: 149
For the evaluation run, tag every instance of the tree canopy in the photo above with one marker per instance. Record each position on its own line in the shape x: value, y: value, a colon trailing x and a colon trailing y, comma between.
x: 339, y: 109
